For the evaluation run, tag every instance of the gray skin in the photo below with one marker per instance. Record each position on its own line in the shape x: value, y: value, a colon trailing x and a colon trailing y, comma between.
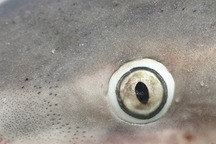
x: 57, y: 56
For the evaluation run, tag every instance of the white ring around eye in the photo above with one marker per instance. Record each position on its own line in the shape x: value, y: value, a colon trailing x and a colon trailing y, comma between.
x: 152, y: 64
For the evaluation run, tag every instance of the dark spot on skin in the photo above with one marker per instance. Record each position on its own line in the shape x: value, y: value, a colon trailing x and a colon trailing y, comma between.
x: 194, y: 11
x: 26, y: 79
x: 116, y: 4
x: 77, y: 127
x: 74, y: 4
x: 189, y: 137
x: 183, y: 9
x: 161, y: 11
x: 50, y: 94
x: 38, y: 92
x: 22, y: 87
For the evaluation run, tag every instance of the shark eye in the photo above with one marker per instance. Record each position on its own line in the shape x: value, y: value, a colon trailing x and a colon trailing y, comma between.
x: 141, y: 91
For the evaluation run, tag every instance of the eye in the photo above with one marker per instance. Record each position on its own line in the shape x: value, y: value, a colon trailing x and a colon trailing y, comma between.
x: 141, y: 91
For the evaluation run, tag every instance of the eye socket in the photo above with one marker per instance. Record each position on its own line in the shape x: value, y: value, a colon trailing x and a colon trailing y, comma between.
x: 141, y: 91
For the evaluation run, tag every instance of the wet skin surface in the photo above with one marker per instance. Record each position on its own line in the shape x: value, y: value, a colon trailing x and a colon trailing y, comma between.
x: 56, y: 59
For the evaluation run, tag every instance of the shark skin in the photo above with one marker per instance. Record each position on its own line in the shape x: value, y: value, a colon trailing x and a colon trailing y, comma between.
x: 57, y: 57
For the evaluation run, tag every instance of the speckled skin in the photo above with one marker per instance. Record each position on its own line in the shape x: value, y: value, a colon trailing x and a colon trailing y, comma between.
x: 57, y: 56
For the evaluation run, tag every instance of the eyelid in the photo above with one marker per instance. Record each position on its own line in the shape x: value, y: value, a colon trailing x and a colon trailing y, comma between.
x: 127, y: 68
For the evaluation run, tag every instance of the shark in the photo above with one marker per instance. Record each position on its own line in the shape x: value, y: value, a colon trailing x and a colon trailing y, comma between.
x: 59, y: 61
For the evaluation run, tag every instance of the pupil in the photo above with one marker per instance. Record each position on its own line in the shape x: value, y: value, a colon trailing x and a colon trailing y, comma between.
x: 142, y: 92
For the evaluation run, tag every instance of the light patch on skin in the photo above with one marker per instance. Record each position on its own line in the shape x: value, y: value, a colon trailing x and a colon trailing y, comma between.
x: 168, y: 136
x: 3, y: 141
x: 2, y: 1
x: 94, y: 84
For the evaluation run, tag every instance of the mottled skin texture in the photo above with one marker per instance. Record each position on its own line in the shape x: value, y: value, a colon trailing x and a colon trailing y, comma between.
x: 56, y: 58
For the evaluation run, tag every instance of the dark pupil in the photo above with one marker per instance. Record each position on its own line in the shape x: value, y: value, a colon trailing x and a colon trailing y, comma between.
x: 142, y: 93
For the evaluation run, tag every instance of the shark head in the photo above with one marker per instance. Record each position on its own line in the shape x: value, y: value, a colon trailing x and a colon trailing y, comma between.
x: 58, y: 66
